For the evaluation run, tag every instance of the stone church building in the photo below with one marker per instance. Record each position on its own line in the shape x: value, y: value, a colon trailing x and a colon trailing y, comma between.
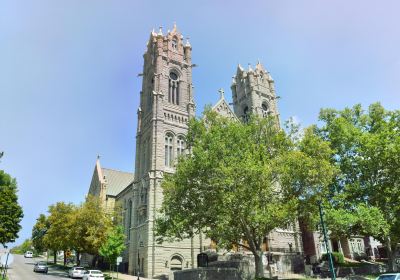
x: 166, y: 105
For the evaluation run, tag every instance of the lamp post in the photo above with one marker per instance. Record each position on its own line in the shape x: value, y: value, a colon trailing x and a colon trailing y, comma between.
x: 331, y: 267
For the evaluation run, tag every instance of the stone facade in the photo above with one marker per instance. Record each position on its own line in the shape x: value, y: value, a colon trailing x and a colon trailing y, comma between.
x: 166, y: 105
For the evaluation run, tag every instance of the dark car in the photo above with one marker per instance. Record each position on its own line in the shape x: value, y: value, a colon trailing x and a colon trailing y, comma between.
x: 41, y: 267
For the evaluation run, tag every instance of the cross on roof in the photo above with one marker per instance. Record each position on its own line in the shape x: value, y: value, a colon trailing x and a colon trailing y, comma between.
x: 221, y: 93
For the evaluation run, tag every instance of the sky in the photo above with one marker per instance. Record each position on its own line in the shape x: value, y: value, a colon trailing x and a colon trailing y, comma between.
x: 69, y: 89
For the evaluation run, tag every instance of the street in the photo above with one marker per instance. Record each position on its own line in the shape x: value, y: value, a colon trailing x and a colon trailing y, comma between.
x: 22, y: 269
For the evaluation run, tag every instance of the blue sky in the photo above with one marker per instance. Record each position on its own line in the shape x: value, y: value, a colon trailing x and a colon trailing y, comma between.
x: 68, y: 74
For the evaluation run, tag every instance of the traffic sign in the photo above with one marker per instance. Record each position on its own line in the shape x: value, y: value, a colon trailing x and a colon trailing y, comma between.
x: 119, y: 260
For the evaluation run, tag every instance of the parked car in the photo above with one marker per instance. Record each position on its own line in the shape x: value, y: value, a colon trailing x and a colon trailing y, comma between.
x: 93, y: 275
x: 389, y: 276
x: 28, y: 254
x: 41, y: 267
x: 76, y: 271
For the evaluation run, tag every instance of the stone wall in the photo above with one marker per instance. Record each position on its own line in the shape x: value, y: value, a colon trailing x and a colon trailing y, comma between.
x: 206, y: 273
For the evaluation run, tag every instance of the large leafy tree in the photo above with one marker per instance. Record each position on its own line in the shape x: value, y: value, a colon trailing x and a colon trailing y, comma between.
x: 10, y: 211
x: 91, y: 224
x: 367, y: 188
x: 241, y: 181
x: 60, y: 221
x: 114, y: 245
x: 39, y: 230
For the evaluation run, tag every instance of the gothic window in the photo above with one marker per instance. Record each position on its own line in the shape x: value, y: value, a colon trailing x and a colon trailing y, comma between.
x: 129, y: 218
x: 246, y: 114
x: 174, y: 44
x: 173, y: 88
x: 180, y: 146
x: 264, y: 110
x: 169, y: 157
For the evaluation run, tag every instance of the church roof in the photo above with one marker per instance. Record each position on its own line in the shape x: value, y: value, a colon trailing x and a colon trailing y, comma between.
x: 116, y: 180
x: 222, y: 107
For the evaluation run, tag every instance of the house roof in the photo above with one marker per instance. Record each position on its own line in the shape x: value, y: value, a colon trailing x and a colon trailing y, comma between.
x: 116, y: 180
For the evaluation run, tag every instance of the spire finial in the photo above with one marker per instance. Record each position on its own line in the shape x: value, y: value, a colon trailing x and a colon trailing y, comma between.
x: 98, y: 157
x: 174, y: 26
x: 187, y: 42
x: 221, y: 93
x: 160, y: 31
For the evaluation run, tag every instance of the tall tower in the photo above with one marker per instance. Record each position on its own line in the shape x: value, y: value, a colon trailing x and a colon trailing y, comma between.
x: 253, y: 92
x: 166, y: 105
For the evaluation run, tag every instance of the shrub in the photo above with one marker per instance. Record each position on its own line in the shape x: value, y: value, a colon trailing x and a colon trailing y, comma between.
x: 337, y: 257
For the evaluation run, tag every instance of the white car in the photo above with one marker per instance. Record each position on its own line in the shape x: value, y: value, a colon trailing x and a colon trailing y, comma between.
x: 76, y: 271
x: 389, y: 276
x: 28, y: 254
x: 93, y: 275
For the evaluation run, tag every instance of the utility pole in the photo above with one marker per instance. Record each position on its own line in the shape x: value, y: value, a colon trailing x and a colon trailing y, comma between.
x: 331, y: 267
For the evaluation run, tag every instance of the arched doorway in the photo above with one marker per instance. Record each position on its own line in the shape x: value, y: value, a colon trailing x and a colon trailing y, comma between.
x: 176, y: 263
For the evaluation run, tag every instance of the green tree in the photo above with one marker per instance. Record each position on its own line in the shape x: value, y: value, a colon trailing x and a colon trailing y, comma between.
x: 114, y: 245
x: 90, y: 226
x: 367, y: 188
x: 21, y: 249
x: 38, y: 232
x: 241, y: 181
x: 10, y: 211
x: 59, y: 234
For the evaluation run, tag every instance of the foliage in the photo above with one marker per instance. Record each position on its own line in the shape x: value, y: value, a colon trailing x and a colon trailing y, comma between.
x: 90, y: 226
x: 10, y: 211
x: 21, y: 249
x: 114, y: 245
x: 38, y: 232
x: 337, y: 258
x: 367, y: 188
x: 60, y: 220
x: 241, y: 181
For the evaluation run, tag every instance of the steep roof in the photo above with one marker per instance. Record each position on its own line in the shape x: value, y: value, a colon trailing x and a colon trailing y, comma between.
x: 223, y: 108
x: 116, y: 180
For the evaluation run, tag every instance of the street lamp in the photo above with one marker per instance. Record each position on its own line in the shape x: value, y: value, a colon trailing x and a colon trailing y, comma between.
x: 331, y: 267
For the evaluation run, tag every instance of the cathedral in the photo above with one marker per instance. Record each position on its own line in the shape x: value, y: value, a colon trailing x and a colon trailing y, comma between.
x: 166, y: 106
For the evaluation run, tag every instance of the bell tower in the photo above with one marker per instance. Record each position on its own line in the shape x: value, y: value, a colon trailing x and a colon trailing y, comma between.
x: 253, y: 92
x: 166, y: 105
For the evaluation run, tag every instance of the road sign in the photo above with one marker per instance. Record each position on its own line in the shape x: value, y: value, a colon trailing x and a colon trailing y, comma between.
x: 119, y: 260
x: 4, y: 259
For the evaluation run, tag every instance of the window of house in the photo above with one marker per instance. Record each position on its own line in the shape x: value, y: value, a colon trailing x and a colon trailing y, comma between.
x: 180, y: 146
x: 169, y: 150
x: 173, y: 88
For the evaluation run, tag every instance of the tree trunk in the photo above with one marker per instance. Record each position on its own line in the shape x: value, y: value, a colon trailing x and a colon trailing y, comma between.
x: 78, y: 258
x: 65, y: 258
x: 55, y: 256
x: 258, y: 258
x: 390, y: 255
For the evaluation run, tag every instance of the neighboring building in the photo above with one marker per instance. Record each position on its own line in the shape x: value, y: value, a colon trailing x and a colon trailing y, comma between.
x: 108, y: 183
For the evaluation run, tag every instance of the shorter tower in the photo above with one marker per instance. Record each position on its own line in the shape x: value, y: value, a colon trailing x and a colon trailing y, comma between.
x: 253, y: 92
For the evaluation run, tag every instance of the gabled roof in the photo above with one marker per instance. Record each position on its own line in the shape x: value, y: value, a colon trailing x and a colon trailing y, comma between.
x: 222, y: 107
x: 116, y: 180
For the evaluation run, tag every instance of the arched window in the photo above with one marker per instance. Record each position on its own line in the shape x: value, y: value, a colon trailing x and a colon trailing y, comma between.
x: 265, y: 112
x: 174, y: 43
x: 129, y: 219
x: 246, y: 114
x: 173, y: 88
x: 169, y: 157
x: 180, y: 146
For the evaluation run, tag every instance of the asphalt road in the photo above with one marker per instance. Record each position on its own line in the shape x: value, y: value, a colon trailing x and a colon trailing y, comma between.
x: 22, y: 269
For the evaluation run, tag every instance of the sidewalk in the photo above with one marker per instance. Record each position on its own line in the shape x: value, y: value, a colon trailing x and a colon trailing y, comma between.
x: 129, y: 277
